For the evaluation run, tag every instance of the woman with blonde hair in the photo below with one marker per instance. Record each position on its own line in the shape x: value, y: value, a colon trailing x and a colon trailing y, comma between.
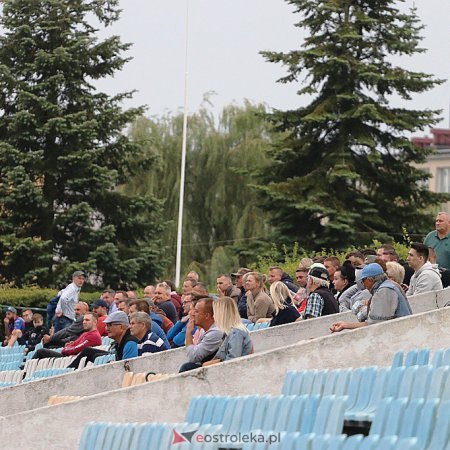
x: 285, y: 311
x: 259, y: 304
x: 237, y: 340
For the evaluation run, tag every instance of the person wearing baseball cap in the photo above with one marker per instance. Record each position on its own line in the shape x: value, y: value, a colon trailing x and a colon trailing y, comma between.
x: 100, y: 307
x: 14, y: 328
x: 388, y: 300
x: 67, y: 299
x: 321, y: 301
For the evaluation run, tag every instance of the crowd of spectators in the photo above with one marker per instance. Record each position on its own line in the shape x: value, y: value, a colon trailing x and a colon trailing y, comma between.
x: 212, y: 326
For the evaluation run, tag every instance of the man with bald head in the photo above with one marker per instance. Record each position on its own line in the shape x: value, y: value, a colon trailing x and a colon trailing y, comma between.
x: 439, y: 240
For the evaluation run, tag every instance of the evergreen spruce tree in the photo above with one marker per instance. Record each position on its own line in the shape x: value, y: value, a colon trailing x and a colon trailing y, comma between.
x: 345, y: 171
x: 63, y: 151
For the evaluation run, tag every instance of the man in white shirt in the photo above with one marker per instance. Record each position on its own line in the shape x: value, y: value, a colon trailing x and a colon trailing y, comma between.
x: 68, y: 298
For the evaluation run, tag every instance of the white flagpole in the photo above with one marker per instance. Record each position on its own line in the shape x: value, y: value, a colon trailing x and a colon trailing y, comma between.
x: 183, y: 159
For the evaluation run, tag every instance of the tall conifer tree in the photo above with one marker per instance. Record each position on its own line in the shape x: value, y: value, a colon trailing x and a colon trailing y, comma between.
x: 63, y: 151
x: 345, y: 172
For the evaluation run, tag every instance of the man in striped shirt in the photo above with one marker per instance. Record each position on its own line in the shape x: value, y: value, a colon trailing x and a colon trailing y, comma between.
x: 141, y: 328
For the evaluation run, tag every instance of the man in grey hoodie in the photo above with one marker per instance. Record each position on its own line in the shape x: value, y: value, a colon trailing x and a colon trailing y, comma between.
x: 426, y: 278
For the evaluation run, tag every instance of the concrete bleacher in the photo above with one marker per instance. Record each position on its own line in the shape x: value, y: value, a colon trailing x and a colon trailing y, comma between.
x: 262, y: 373
x: 80, y: 383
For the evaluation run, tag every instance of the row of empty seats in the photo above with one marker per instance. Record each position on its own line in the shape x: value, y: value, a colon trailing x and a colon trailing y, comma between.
x: 408, y: 405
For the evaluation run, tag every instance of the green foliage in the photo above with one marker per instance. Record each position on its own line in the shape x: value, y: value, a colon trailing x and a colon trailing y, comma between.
x: 63, y: 153
x: 222, y: 222
x: 37, y: 297
x: 344, y: 170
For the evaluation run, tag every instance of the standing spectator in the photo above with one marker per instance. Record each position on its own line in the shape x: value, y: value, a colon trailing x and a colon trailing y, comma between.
x: 439, y: 240
x: 237, y: 340
x: 141, y: 329
x: 202, y: 316
x: 242, y: 299
x: 225, y: 288
x: 100, y: 307
x: 321, y: 301
x: 163, y: 301
x: 426, y: 278
x: 14, y: 328
x: 259, y: 304
x: 276, y: 274
x: 68, y: 298
x: 89, y: 338
x: 108, y: 295
x: 285, y: 311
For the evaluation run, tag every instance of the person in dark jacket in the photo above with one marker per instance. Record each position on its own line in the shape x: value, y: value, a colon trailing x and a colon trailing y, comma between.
x: 242, y: 299
x: 276, y: 274
x: 285, y: 311
x: 321, y: 301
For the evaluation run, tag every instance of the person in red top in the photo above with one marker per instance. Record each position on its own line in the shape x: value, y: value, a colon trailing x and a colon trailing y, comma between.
x: 89, y: 338
x: 100, y: 307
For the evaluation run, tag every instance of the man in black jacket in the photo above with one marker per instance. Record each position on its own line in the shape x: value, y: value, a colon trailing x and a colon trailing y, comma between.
x: 71, y: 333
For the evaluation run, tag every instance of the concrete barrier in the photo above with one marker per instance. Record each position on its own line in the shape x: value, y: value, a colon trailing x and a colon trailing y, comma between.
x: 35, y: 394
x: 262, y: 373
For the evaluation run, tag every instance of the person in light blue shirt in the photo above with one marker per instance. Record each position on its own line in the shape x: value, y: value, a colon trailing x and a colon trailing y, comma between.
x: 177, y: 334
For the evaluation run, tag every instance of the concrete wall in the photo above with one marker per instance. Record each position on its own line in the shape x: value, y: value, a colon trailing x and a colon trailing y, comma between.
x: 35, y: 394
x: 60, y: 426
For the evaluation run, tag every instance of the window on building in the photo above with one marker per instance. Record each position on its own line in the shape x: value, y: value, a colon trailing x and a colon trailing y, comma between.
x: 443, y: 179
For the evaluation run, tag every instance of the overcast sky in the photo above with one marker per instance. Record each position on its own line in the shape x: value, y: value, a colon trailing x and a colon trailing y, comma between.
x: 225, y: 38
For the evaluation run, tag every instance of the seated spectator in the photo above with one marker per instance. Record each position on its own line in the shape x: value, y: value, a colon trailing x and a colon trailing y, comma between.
x: 426, y: 278
x: 344, y: 278
x: 149, y: 292
x: 285, y: 311
x: 305, y: 263
x: 202, y: 315
x: 445, y: 273
x: 14, y: 328
x: 141, y: 329
x: 356, y: 258
x: 157, y: 320
x: 396, y: 273
x: 193, y: 275
x: 62, y: 337
x: 108, y: 295
x: 225, y: 288
x: 35, y: 334
x: 388, y: 301
x: 124, y: 306
x: 237, y: 340
x: 163, y: 301
x: 177, y: 334
x: 188, y: 284
x: 387, y: 253
x: 27, y: 316
x: 89, y: 338
x: 332, y: 263
x: 259, y: 304
x: 124, y: 346
x: 276, y: 274
x: 301, y: 275
x: 100, y: 307
x: 132, y: 295
x: 119, y: 296
x: 321, y: 301
x: 242, y: 299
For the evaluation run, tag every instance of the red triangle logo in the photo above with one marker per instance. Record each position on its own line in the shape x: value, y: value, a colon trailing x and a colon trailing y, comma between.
x: 177, y: 438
